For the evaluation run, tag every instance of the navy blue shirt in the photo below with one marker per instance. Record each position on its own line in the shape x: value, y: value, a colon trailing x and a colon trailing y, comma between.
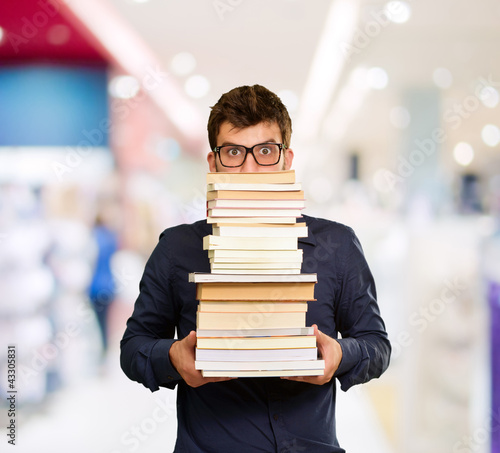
x: 257, y: 414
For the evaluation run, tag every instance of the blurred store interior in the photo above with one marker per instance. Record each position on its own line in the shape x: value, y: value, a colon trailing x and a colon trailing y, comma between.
x: 103, y: 144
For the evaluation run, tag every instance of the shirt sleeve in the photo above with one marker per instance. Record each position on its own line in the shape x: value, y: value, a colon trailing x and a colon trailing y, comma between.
x: 150, y: 330
x: 365, y: 345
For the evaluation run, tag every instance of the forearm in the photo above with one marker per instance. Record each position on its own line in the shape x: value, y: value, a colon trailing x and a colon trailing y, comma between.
x: 363, y: 359
x: 146, y: 360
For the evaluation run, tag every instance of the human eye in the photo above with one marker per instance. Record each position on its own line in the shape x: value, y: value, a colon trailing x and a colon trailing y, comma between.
x: 267, y: 150
x: 231, y: 151
x: 234, y: 152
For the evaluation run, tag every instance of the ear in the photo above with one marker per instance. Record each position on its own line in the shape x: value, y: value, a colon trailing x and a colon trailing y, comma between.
x: 211, y: 162
x: 288, y: 158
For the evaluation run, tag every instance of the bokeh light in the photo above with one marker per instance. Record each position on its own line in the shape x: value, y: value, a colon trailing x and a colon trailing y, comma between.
x: 463, y: 153
x: 442, y: 77
x: 183, y: 64
x: 399, y: 117
x: 489, y: 97
x: 491, y: 135
x: 398, y: 12
x: 123, y: 87
x: 197, y: 86
x: 377, y: 78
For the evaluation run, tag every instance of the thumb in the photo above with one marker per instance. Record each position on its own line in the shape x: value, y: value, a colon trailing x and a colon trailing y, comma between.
x: 191, y: 339
x: 317, y: 332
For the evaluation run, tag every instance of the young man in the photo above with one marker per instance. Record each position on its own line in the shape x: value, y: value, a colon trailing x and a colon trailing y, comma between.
x: 255, y: 414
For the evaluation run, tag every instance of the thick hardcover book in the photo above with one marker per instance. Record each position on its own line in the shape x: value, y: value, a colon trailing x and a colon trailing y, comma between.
x: 257, y: 342
x: 263, y: 373
x: 255, y: 195
x: 262, y: 366
x: 256, y: 204
x: 253, y: 212
x: 245, y: 220
x: 210, y: 320
x: 297, y: 230
x: 259, y: 177
x: 241, y: 243
x: 255, y: 291
x: 202, y: 277
x: 262, y: 307
x: 277, y: 331
x: 257, y: 355
x: 275, y: 271
x: 244, y: 187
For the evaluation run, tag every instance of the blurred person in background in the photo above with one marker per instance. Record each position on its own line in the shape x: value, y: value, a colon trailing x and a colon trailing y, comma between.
x: 102, y: 289
x: 255, y: 414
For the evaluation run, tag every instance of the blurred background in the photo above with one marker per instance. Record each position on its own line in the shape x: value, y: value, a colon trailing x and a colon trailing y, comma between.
x: 103, y: 111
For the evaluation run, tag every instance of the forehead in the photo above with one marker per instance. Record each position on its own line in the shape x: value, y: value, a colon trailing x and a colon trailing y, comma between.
x: 248, y: 136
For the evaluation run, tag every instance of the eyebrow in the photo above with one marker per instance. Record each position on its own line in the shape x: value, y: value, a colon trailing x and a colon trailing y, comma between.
x: 272, y: 140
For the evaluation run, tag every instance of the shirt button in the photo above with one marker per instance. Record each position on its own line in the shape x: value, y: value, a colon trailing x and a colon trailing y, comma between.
x: 276, y: 416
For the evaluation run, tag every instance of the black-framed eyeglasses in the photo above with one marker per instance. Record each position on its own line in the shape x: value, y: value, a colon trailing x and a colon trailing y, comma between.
x: 235, y: 155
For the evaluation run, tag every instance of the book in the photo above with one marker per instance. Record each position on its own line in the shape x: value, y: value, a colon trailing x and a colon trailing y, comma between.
x: 257, y: 255
x: 241, y: 243
x: 297, y: 230
x: 255, y: 291
x: 251, y: 212
x: 257, y: 204
x: 258, y: 355
x: 208, y: 320
x: 256, y: 271
x: 243, y: 220
x: 257, y: 342
x: 259, y: 177
x: 262, y: 373
x: 262, y: 366
x: 254, y: 187
x: 264, y: 307
x: 203, y: 277
x: 280, y: 331
x: 256, y: 194
x: 265, y: 266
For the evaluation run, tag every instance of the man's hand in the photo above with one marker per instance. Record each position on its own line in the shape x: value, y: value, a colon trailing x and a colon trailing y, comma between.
x: 182, y: 358
x: 330, y: 351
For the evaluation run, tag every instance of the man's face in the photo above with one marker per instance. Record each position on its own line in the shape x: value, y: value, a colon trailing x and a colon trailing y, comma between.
x: 250, y: 136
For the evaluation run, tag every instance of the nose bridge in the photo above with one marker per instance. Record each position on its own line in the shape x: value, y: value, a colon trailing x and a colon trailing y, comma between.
x: 250, y: 163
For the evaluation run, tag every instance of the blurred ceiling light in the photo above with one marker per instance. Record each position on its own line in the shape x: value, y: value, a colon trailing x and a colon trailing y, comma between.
x: 327, y: 65
x: 491, y: 135
x: 58, y: 34
x: 197, y: 86
x: 489, y: 97
x: 377, y: 78
x: 463, y: 153
x: 123, y: 87
x: 128, y: 50
x: 2, y: 34
x: 397, y: 11
x: 183, y: 64
x: 442, y: 78
x: 290, y: 99
x: 399, y: 117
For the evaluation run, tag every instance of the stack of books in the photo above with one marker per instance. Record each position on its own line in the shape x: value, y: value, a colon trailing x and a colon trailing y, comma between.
x: 251, y: 318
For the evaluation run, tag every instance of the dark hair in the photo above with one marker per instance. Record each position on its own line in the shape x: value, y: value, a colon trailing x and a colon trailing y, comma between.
x: 247, y: 106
